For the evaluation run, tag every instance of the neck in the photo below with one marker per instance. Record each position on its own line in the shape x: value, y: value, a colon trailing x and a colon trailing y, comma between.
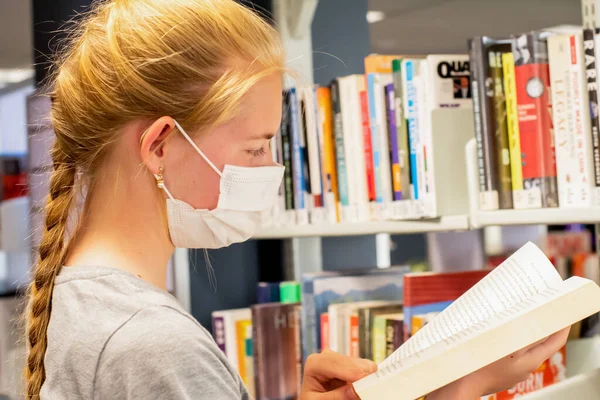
x: 124, y: 228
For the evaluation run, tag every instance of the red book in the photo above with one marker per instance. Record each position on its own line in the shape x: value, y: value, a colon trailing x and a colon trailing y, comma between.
x: 364, y: 106
x: 354, y: 344
x: 534, y: 106
x: 426, y: 292
x: 324, y: 331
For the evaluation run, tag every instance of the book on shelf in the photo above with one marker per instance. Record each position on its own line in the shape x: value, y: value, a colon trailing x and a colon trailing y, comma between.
x: 519, y: 303
x: 363, y: 147
x: 225, y: 331
x: 320, y: 290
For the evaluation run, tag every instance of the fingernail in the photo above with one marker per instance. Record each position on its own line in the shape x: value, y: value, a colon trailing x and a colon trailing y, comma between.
x: 367, y: 366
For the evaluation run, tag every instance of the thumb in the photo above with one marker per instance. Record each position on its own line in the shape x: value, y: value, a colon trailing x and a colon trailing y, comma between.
x: 343, y: 393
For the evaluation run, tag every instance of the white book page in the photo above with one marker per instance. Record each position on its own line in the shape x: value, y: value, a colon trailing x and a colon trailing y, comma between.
x: 524, y: 275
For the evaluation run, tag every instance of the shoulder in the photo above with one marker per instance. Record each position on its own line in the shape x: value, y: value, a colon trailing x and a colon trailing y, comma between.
x: 162, y: 352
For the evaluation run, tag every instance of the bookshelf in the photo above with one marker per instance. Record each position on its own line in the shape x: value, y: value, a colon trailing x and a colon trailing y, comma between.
x: 449, y: 223
x: 581, y: 387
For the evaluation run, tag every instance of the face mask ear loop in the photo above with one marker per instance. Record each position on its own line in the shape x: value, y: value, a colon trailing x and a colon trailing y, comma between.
x: 185, y: 135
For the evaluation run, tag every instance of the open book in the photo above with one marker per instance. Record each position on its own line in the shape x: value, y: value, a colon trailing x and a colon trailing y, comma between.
x: 522, y: 301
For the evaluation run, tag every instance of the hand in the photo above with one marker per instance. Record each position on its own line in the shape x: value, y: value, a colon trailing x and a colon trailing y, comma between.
x: 504, y: 373
x: 328, y: 376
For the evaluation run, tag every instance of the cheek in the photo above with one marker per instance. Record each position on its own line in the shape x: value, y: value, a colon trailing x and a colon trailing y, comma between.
x: 196, y: 183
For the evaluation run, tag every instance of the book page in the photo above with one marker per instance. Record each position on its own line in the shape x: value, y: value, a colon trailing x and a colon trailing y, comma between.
x: 525, y: 274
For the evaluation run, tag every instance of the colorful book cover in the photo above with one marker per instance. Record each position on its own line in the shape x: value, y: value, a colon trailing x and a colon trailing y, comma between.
x: 589, y: 48
x: 225, y: 332
x: 378, y: 335
x: 342, y: 178
x: 394, y: 333
x: 324, y: 288
x: 297, y: 150
x: 402, y: 131
x: 286, y: 144
x: 325, y: 331
x: 241, y: 331
x: 412, y: 113
x: 330, y: 185
x: 390, y: 96
x: 311, y: 148
x: 277, y: 352
x: 449, y: 78
x: 498, y: 105
x: 366, y: 323
x: 534, y: 105
x: 482, y: 51
x: 354, y: 349
x: 551, y: 371
x: 366, y: 125
x: 427, y: 292
x: 514, y: 143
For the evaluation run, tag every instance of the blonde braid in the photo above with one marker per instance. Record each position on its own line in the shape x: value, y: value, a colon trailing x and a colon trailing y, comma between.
x: 51, y: 259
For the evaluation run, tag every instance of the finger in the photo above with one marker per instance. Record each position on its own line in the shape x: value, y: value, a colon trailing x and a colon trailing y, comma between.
x: 344, y: 393
x: 553, y: 344
x: 330, y: 365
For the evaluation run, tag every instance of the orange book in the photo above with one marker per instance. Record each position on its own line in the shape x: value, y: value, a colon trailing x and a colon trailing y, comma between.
x: 551, y: 371
x: 324, y: 331
x: 329, y: 171
x: 354, y: 336
x: 379, y: 63
x: 241, y: 329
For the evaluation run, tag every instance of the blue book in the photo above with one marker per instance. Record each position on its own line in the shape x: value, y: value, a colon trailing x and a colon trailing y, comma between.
x: 297, y: 156
x: 413, y: 123
x: 268, y: 292
x: 319, y: 290
x: 375, y: 142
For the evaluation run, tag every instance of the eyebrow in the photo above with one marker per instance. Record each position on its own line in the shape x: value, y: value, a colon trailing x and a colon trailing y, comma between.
x: 266, y: 135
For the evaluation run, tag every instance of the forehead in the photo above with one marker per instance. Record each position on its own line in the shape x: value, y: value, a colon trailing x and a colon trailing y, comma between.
x: 261, y: 105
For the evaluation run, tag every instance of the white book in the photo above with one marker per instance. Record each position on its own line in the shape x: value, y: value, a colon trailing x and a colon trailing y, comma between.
x: 449, y: 81
x: 571, y: 120
x: 425, y: 90
x: 381, y: 80
x: 224, y: 331
x: 312, y: 143
x: 350, y: 88
x: 522, y: 301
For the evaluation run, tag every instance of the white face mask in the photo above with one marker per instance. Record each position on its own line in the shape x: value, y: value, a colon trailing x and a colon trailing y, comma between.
x: 246, y: 196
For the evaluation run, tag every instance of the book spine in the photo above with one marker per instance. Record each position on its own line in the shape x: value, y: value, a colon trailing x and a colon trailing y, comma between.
x: 366, y: 125
x: 589, y: 45
x: 378, y: 343
x: 218, y: 328
x: 287, y: 155
x: 534, y: 106
x: 398, y: 339
x: 498, y: 106
x: 310, y: 336
x: 364, y: 334
x: 389, y: 337
x: 486, y: 146
x: 320, y: 153
x: 426, y: 151
x: 375, y: 136
x: 583, y: 129
x: 297, y: 154
x: 330, y: 189
x: 402, y: 131
x: 413, y: 126
x: 312, y: 148
x: 393, y: 141
x: 354, y: 338
x: 339, y: 144
x: 381, y: 80
x: 510, y: 89
x: 325, y: 331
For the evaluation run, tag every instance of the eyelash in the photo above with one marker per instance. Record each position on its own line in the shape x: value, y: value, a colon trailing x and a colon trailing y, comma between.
x: 258, y: 153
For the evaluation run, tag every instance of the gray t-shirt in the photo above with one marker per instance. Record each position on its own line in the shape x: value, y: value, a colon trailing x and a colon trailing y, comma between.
x: 114, y: 336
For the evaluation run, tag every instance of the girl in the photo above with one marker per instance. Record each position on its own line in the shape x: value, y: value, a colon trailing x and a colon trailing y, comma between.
x: 163, y: 111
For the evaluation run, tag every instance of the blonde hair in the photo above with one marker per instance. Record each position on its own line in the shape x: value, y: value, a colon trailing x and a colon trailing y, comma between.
x: 131, y: 60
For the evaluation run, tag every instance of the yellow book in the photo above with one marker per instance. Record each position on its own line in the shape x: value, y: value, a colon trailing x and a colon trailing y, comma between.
x: 241, y: 329
x: 330, y: 186
x: 512, y: 117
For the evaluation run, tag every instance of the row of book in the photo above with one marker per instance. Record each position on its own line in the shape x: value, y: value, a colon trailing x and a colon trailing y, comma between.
x: 361, y: 148
x: 263, y: 341
x: 537, y: 120
x: 371, y: 313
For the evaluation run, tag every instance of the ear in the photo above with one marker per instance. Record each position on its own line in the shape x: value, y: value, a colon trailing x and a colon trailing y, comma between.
x: 152, y: 149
